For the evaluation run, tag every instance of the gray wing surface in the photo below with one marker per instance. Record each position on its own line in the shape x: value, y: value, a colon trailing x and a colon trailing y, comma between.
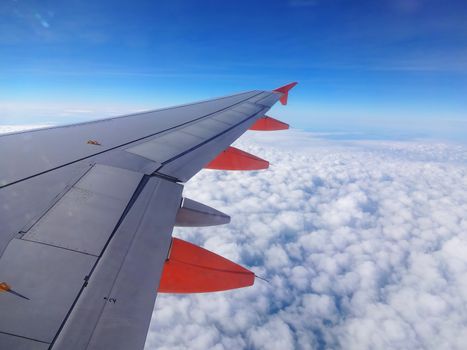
x: 86, y: 218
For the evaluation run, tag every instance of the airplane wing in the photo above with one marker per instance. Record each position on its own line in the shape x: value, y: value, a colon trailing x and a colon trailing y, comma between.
x: 87, y: 213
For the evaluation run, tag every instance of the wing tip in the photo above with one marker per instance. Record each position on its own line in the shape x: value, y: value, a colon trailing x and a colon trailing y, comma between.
x: 284, y: 90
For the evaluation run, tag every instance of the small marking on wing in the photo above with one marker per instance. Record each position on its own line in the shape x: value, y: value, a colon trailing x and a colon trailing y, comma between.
x: 94, y: 142
x: 4, y: 287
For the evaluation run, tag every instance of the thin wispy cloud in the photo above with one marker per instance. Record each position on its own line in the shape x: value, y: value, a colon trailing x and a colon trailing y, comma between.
x: 6, y: 129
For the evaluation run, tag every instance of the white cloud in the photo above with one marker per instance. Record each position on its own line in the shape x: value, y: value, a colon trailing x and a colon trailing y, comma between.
x: 4, y: 129
x: 56, y: 113
x: 364, y: 244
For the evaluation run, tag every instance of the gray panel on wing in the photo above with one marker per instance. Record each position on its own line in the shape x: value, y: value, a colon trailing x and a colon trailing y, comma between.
x: 110, y: 181
x: 269, y: 100
x: 8, y: 341
x: 206, y: 128
x: 165, y: 146
x: 124, y: 324
x: 23, y: 203
x: 260, y: 96
x: 121, y: 159
x: 230, y: 117
x: 127, y: 275
x: 84, y: 218
x: 50, y: 277
x: 247, y: 108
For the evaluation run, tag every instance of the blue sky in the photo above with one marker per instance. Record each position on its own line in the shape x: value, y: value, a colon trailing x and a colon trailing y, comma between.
x: 393, y: 68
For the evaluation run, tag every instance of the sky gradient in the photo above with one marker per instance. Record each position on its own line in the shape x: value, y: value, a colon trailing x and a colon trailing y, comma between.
x: 362, y: 241
x: 381, y: 68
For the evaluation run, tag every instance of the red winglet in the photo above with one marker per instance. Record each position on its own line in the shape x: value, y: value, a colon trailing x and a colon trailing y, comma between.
x: 284, y: 90
x: 234, y: 159
x: 192, y: 269
x: 269, y: 124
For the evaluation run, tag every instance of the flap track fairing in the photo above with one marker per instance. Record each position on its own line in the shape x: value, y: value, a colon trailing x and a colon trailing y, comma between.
x: 195, y: 214
x: 192, y: 269
x: 234, y: 159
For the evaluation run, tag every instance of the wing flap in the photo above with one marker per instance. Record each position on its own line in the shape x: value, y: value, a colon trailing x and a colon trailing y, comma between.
x: 49, y: 277
x: 192, y: 269
x: 115, y: 308
x: 100, y: 196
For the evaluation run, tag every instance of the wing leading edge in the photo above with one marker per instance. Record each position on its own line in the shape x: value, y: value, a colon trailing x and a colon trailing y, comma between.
x: 90, y: 208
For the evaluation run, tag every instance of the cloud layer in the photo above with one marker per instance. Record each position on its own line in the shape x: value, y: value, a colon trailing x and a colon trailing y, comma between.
x: 364, y: 245
x: 5, y: 129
